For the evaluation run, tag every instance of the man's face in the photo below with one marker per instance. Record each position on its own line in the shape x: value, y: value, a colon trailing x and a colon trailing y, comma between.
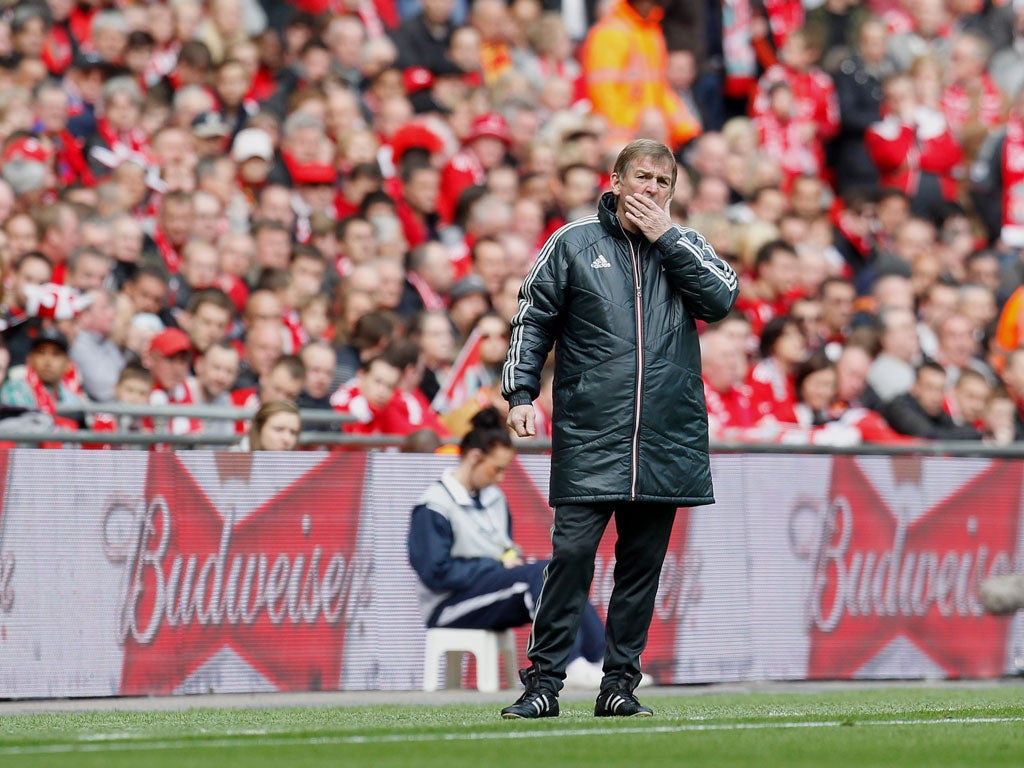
x: 319, y: 364
x: 437, y: 270
x: 956, y: 340
x: 279, y: 384
x: 494, y: 343
x: 837, y: 305
x: 236, y: 255
x: 304, y: 144
x: 33, y: 272
x: 971, y: 395
x: 122, y: 111
x: 52, y: 109
x: 90, y: 273
x: 781, y: 272
x: 378, y: 383
x: 263, y: 347
x: 423, y: 189
x: 207, y: 325
x: 99, y: 317
x: 217, y: 370
x: 437, y: 342
x: 148, y: 294
x: 852, y: 373
x: 132, y: 391
x: 929, y: 389
x: 176, y: 221
x: 307, y: 276
x: 232, y: 83
x: 50, y: 363
x: 580, y: 188
x: 273, y: 248
x: 169, y: 372
x: 199, y: 268
x: 22, y: 235
x: 276, y: 205
x: 438, y: 11
x: 647, y: 177
x: 490, y: 263
x: 489, y: 151
x: 263, y: 307
x: 360, y: 242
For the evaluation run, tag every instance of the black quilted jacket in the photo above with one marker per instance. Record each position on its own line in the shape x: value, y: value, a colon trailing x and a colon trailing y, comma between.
x: 629, y: 418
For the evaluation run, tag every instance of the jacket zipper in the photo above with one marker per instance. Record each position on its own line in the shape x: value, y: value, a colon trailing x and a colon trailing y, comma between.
x: 638, y: 309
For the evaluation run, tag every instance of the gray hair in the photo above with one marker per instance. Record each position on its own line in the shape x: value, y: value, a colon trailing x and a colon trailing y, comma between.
x: 110, y: 19
x: 299, y: 120
x: 24, y: 175
x: 121, y: 84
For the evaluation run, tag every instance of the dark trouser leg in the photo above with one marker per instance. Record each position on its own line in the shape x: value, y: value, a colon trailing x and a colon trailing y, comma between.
x: 643, y: 533
x: 590, y: 638
x: 575, y: 536
x: 499, y: 599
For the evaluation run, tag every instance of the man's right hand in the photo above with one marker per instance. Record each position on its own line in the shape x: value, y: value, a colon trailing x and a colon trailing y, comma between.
x: 523, y: 420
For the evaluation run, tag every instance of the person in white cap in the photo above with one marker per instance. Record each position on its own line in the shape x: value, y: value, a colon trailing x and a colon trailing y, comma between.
x: 253, y: 151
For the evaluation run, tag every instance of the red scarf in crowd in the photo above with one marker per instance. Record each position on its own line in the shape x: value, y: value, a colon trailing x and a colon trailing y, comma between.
x: 46, y: 402
x: 125, y: 143
x: 168, y: 252
x: 1013, y: 177
x: 432, y: 300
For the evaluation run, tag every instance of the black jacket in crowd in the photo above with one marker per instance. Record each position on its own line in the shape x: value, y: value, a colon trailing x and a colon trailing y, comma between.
x: 905, y: 414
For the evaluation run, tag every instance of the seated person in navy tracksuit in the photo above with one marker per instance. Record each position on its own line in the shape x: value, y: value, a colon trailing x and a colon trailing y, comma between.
x: 471, y: 573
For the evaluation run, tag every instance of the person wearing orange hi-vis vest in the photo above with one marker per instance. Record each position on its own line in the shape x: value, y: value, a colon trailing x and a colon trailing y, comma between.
x: 624, y: 61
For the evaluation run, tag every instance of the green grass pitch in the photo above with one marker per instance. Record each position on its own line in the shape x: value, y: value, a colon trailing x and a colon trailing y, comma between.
x: 896, y: 727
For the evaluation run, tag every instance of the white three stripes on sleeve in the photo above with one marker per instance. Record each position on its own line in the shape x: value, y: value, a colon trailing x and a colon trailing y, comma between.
x: 526, y: 302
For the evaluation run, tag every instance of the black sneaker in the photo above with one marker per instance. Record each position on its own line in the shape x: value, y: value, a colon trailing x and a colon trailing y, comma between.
x: 535, y: 701
x: 620, y: 702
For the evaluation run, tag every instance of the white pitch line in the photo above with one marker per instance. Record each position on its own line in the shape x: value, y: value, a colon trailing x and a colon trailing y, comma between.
x: 89, y: 743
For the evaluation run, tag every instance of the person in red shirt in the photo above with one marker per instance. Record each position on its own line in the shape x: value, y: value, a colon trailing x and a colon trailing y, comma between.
x: 367, y: 396
x: 785, y: 136
x: 771, y: 380
x: 409, y: 410
x: 283, y: 381
x: 134, y: 386
x: 50, y: 105
x: 913, y: 147
x: 724, y: 368
x: 814, y: 94
x: 776, y: 276
x: 972, y: 103
x: 484, y: 147
x: 169, y: 359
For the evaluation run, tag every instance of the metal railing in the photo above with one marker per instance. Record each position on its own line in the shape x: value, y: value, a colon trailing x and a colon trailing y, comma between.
x: 332, y: 436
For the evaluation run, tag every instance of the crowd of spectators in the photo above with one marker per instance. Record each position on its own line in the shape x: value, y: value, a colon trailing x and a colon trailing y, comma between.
x: 335, y: 203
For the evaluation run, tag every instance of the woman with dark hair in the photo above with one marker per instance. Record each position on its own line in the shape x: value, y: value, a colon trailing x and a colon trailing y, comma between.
x: 816, y: 383
x: 783, y: 348
x: 472, y: 574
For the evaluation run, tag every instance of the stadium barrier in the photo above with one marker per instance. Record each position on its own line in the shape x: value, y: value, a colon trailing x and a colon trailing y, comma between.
x: 139, y: 573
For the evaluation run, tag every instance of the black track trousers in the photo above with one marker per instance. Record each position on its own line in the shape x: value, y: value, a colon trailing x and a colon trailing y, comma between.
x: 644, y: 529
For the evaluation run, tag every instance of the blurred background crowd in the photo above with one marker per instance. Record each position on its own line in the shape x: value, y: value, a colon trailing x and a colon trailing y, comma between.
x: 334, y: 203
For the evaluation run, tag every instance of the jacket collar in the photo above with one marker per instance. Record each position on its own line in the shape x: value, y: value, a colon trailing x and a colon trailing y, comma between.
x: 610, y: 221
x: 606, y: 215
x: 460, y: 493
